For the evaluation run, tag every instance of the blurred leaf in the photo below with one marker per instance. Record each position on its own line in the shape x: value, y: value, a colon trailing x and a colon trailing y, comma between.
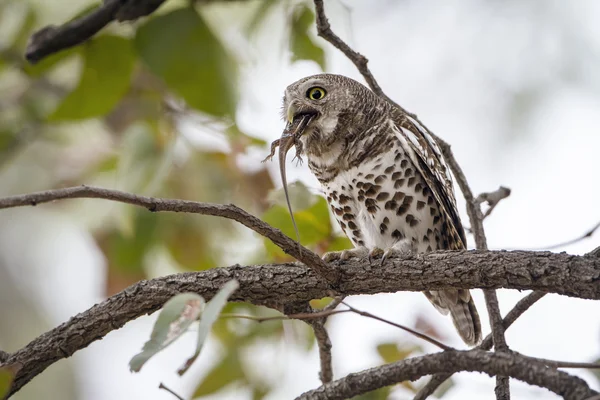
x: 300, y: 197
x: 108, y: 64
x: 187, y: 244
x: 25, y: 29
x: 301, y: 44
x: 319, y: 304
x: 180, y: 48
x: 313, y: 224
x: 7, y: 375
x: 127, y: 251
x: 229, y: 370
x: 174, y: 319
x: 390, y: 352
x: 339, y: 243
x: 209, y: 316
x: 260, y: 392
x: 259, y: 16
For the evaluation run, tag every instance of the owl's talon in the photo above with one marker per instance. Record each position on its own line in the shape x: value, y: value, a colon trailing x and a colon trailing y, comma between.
x: 357, y: 252
x: 403, y: 247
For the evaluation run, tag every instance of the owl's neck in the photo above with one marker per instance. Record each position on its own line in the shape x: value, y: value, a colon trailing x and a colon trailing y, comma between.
x: 346, y: 145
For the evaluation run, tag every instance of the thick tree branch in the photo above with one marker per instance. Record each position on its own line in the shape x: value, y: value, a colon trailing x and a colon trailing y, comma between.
x: 493, y: 364
x: 52, y: 39
x: 171, y: 205
x: 280, y: 284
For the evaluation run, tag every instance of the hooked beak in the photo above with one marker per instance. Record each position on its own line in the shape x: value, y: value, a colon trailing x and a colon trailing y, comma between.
x: 291, y: 112
x: 294, y: 111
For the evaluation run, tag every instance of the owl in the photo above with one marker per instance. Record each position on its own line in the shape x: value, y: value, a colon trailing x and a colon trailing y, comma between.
x: 384, y: 178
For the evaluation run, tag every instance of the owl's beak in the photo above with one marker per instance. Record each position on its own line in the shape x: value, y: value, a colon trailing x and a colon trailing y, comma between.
x: 291, y: 112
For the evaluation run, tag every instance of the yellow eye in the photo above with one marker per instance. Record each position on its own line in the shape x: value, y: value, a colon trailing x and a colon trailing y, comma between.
x: 316, y: 93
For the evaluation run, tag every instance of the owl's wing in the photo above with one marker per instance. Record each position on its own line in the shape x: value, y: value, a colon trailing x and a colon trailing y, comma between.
x: 427, y: 157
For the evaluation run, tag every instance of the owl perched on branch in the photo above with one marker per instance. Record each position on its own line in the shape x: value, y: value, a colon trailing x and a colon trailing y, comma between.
x: 384, y: 178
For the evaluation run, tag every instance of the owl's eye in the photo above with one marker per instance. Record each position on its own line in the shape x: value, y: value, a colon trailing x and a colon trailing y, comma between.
x: 316, y: 93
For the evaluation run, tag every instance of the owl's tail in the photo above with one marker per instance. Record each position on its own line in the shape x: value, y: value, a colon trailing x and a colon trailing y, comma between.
x: 462, y: 309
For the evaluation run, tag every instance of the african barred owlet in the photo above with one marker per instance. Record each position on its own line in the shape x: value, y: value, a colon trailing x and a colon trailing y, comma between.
x: 384, y: 177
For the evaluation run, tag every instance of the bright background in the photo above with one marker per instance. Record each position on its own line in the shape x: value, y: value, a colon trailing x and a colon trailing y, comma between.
x: 513, y: 86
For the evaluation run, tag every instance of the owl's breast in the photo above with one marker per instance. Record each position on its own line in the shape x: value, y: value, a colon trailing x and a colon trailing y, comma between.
x: 384, y: 200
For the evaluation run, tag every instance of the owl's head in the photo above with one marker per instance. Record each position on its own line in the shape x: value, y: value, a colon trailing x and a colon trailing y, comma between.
x: 338, y: 106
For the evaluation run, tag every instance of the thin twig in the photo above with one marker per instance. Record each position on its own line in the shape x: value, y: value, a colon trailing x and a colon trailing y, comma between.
x: 492, y: 199
x: 155, y: 204
x: 564, y: 364
x: 404, y: 328
x: 324, y: 344
x: 162, y: 386
x: 586, y: 235
x: 360, y: 61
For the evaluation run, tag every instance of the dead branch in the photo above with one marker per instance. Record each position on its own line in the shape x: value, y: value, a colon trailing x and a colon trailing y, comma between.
x: 494, y: 364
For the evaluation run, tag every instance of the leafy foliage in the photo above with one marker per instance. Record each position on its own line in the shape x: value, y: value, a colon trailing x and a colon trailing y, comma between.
x: 108, y: 64
x: 174, y: 319
x: 181, y: 49
x: 6, y: 378
x: 301, y: 44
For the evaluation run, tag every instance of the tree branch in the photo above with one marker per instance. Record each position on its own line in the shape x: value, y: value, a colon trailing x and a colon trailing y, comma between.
x: 52, y: 39
x: 276, y: 285
x: 493, y: 364
x: 153, y: 204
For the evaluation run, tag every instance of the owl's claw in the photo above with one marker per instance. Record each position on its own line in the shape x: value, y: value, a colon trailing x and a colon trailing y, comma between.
x: 357, y: 252
x: 403, y: 247
x: 374, y: 253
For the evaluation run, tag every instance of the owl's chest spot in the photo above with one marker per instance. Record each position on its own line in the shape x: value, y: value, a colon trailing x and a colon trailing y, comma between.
x: 383, y: 201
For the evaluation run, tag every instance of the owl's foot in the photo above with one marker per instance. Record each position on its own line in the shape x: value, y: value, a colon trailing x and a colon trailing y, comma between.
x: 357, y: 252
x: 403, y: 247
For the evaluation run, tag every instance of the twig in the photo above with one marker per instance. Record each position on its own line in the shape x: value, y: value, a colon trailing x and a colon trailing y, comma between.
x: 3, y: 356
x: 586, y: 235
x: 162, y: 386
x: 360, y: 61
x: 523, y: 305
x: 154, y: 204
x: 509, y: 364
x: 404, y: 328
x: 564, y: 364
x: 52, y: 39
x: 492, y: 199
x: 324, y: 344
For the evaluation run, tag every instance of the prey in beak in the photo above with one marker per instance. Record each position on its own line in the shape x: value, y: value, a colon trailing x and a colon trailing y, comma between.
x: 294, y: 129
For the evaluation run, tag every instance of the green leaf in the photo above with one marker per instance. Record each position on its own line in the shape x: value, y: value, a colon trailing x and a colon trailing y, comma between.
x: 300, y: 197
x: 181, y: 49
x: 209, y: 316
x: 339, y: 243
x: 390, y: 352
x: 127, y: 250
x: 174, y: 319
x: 319, y: 304
x: 7, y: 374
x: 313, y: 224
x: 108, y: 64
x: 301, y: 44
x: 229, y: 370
